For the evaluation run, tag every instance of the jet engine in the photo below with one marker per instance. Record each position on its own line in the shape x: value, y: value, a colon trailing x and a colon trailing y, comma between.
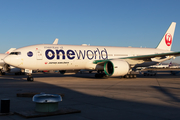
x: 116, y: 68
x: 6, y: 68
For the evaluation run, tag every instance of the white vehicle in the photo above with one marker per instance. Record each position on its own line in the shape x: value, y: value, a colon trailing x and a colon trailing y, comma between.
x: 10, y: 69
x: 111, y: 61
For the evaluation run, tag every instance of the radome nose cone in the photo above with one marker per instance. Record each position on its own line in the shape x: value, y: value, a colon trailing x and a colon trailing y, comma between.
x: 7, y: 60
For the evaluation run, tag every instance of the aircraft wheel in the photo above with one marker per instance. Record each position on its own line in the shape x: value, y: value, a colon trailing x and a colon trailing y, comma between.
x: 134, y: 76
x: 30, y: 78
x: 130, y: 76
x: 126, y: 76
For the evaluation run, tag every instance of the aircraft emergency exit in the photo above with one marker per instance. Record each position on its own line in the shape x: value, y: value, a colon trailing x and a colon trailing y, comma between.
x: 110, y: 61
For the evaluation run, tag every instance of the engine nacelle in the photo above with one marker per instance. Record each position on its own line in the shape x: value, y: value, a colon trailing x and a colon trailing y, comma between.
x: 6, y: 68
x: 116, y: 68
x: 68, y: 72
x: 10, y: 69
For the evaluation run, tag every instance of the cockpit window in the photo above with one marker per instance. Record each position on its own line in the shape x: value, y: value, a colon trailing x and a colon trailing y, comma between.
x: 15, y: 53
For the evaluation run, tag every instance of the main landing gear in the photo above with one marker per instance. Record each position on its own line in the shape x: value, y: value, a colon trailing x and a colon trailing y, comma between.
x: 129, y: 76
x: 101, y: 74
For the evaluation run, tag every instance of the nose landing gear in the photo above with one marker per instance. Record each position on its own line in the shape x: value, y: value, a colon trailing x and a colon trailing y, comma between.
x: 29, y: 73
x: 30, y: 78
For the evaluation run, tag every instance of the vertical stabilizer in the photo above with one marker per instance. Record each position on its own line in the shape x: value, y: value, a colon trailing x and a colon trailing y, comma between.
x: 56, y: 41
x: 166, y: 42
x: 170, y: 64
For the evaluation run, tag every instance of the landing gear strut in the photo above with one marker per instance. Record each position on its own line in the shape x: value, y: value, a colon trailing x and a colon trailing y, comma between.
x: 29, y: 73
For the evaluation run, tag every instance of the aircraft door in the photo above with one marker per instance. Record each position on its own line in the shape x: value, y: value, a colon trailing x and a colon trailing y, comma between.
x: 39, y: 55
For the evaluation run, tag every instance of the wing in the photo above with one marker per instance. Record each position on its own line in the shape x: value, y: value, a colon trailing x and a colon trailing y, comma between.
x: 142, y: 58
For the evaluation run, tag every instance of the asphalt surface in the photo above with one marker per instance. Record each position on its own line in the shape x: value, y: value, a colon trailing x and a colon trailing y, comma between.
x: 142, y: 98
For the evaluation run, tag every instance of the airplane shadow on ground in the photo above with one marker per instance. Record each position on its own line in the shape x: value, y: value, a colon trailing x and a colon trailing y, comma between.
x: 92, y: 76
x: 167, y: 92
x: 92, y: 107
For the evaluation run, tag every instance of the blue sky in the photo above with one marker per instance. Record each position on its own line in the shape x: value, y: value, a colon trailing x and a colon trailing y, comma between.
x: 133, y: 23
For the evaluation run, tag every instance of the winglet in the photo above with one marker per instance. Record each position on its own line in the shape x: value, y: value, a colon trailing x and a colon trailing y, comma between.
x: 56, y: 41
x: 166, y: 42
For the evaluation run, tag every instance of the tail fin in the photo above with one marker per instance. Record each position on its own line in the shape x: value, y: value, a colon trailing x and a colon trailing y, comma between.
x: 170, y: 64
x: 166, y: 42
x: 56, y: 41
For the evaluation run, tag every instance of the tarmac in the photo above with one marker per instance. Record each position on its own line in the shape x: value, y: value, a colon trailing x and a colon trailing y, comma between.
x: 142, y: 98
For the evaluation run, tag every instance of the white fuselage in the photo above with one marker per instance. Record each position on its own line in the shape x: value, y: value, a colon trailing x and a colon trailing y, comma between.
x: 72, y: 57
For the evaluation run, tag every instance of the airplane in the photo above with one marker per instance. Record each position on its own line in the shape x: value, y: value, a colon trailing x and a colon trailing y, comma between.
x: 174, y: 66
x: 108, y: 61
x: 160, y: 65
x: 11, y: 69
x: 5, y: 67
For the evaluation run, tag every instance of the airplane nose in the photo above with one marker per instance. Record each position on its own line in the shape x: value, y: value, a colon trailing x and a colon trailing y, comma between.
x: 13, y: 60
x: 7, y: 60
